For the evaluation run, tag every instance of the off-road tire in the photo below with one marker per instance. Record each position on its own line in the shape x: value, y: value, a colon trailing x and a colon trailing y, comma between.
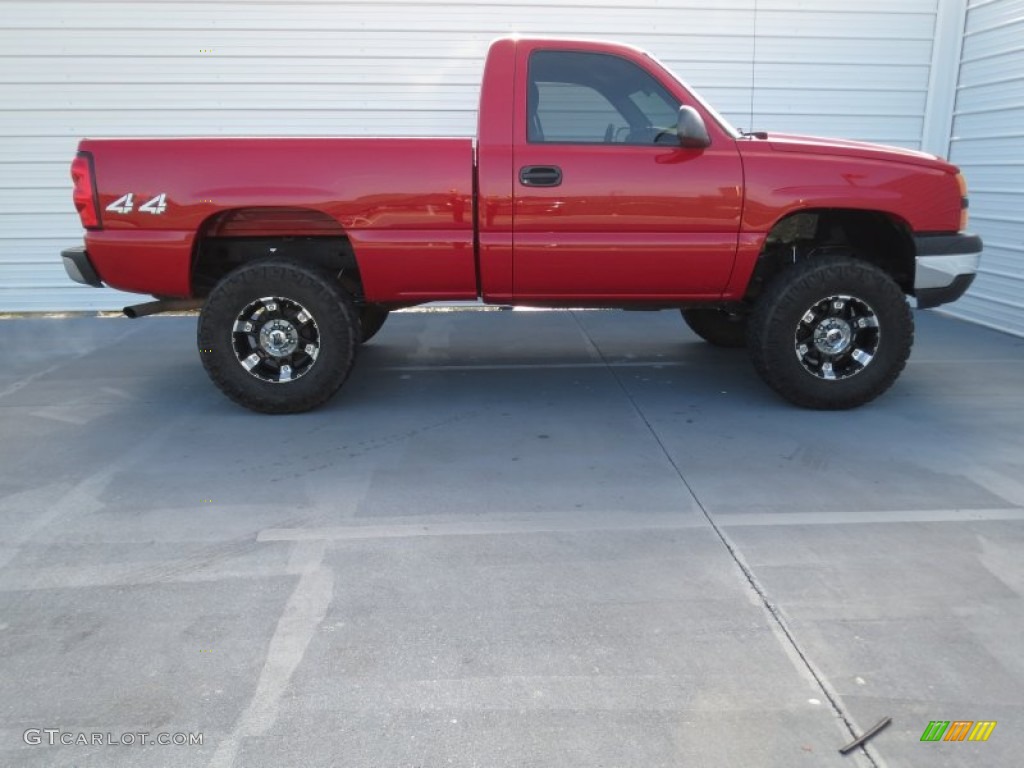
x: 371, y: 320
x: 717, y: 327
x: 334, y: 319
x: 780, y: 332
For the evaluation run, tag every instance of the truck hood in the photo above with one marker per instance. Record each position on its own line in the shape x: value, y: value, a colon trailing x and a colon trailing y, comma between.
x: 815, y: 145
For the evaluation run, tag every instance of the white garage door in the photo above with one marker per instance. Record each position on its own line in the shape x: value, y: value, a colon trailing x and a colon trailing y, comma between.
x: 988, y: 143
x: 71, y: 69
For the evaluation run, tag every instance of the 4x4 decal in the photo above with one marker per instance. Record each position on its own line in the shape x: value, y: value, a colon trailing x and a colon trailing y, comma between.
x: 126, y: 204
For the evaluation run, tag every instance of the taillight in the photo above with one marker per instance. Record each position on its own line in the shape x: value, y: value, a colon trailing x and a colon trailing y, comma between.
x: 85, y: 195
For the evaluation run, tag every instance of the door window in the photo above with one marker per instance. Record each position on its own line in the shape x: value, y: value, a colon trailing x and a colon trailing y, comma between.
x: 596, y: 98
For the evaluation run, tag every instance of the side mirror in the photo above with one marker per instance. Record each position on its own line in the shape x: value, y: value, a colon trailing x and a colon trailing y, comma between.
x: 690, y: 129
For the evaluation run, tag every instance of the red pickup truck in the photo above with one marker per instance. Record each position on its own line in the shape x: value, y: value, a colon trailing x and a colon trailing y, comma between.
x: 597, y: 179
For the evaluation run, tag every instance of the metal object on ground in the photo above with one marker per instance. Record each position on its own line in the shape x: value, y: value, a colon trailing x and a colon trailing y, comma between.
x: 870, y: 733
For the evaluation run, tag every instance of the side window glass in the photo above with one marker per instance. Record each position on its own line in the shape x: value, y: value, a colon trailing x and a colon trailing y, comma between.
x: 576, y: 114
x: 660, y: 109
x: 596, y: 98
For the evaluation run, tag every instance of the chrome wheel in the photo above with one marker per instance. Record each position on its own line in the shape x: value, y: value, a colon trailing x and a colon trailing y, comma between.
x: 837, y: 338
x: 276, y: 339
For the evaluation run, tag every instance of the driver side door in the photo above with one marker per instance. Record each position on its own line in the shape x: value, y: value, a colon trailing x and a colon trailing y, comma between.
x: 607, y: 205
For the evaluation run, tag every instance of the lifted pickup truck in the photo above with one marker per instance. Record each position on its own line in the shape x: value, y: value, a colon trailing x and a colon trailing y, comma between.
x: 597, y: 179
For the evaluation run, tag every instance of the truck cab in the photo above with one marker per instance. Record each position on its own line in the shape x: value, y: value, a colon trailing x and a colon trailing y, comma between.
x: 604, y: 202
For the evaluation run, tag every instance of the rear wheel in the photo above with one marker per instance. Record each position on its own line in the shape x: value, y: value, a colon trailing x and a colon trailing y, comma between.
x: 371, y: 319
x: 717, y: 326
x: 830, y: 333
x: 278, y: 337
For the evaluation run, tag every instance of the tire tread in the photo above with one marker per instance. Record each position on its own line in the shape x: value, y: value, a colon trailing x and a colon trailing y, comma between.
x: 341, y: 318
x: 771, y: 344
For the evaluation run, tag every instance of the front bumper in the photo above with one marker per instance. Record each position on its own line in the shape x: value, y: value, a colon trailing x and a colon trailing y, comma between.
x: 945, y: 267
x: 79, y: 267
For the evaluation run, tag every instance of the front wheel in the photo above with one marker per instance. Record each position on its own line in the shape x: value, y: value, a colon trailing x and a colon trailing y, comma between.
x: 831, y: 333
x: 278, y: 337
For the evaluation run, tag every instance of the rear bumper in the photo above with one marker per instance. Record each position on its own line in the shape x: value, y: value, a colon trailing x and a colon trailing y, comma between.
x: 946, y: 267
x: 79, y: 267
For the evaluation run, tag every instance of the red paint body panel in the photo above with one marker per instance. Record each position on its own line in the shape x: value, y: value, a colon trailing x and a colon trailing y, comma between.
x: 416, y: 265
x: 788, y: 142
x: 926, y: 197
x: 155, y: 261
x: 415, y: 190
x: 429, y: 219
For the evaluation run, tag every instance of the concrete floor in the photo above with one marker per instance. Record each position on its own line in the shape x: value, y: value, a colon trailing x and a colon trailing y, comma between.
x: 513, y: 540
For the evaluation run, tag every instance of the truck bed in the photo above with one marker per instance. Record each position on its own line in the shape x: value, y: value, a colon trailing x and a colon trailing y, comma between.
x: 406, y: 206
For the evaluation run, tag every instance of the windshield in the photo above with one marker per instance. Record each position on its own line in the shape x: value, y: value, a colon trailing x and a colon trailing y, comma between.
x: 725, y: 124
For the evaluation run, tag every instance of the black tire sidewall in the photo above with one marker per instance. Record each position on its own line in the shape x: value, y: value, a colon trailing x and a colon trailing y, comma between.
x: 717, y: 327
x: 371, y: 320
x: 313, y: 289
x: 779, y: 311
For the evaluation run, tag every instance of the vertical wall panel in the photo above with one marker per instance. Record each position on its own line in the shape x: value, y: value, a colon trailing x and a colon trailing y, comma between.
x: 843, y: 68
x: 988, y: 144
x: 395, y: 67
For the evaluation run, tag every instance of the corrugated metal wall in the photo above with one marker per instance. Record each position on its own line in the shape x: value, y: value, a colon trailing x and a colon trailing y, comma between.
x: 69, y: 69
x: 988, y: 143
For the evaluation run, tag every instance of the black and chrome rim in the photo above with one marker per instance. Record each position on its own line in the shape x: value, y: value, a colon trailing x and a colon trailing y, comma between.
x: 276, y: 339
x: 837, y: 338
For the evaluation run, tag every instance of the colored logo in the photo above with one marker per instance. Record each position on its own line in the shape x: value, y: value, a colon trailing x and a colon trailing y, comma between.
x: 958, y: 730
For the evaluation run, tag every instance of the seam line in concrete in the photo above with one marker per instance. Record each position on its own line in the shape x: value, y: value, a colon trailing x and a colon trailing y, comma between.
x: 84, y: 496
x: 773, y: 611
x: 22, y: 383
x: 302, y: 614
x: 570, y: 523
